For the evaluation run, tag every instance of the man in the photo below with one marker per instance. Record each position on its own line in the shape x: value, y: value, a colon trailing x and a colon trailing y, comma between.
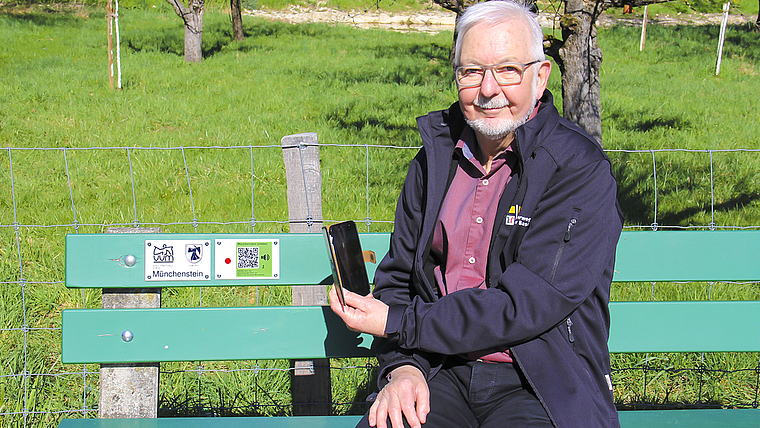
x: 491, y: 307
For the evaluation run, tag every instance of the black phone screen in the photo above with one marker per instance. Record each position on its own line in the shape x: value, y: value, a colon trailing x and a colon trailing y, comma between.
x: 349, y: 258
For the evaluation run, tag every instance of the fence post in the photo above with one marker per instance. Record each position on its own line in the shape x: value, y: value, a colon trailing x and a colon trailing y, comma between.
x: 722, y: 37
x: 129, y: 390
x: 643, y: 29
x: 310, y: 380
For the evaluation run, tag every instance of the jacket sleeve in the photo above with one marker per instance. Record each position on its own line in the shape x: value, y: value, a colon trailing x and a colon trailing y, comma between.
x: 566, y: 254
x: 393, y: 278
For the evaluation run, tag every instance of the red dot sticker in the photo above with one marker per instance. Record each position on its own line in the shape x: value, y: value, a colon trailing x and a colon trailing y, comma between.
x: 228, y: 260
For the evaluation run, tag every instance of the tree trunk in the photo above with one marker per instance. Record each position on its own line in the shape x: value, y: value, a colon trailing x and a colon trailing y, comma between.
x: 237, y: 21
x: 192, y: 16
x: 580, y: 61
x: 757, y: 23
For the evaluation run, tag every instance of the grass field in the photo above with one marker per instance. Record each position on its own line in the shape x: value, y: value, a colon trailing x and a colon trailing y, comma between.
x: 352, y: 87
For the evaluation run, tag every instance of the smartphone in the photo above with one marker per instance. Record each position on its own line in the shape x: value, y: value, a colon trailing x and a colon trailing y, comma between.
x: 346, y: 259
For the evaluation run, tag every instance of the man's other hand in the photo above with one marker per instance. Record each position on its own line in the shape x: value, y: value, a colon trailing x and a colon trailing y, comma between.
x: 363, y: 314
x: 405, y: 396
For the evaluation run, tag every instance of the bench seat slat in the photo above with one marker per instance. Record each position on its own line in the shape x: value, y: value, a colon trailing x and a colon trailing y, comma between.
x: 227, y: 422
x: 208, y: 334
x: 703, y: 418
x: 707, y: 418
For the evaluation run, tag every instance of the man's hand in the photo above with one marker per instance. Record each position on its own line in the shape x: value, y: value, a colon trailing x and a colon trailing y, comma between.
x: 405, y: 396
x: 363, y: 314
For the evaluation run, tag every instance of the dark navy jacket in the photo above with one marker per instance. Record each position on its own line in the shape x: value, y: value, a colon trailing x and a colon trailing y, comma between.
x: 549, y: 270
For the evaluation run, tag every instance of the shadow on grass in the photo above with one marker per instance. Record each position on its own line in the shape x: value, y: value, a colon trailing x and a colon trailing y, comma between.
x: 217, y: 36
x: 49, y: 15
x: 641, y: 121
x: 636, y: 193
x: 227, y: 406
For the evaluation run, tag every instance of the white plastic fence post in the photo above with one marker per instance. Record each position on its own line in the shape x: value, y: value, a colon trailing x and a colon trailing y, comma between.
x: 643, y: 29
x: 722, y: 38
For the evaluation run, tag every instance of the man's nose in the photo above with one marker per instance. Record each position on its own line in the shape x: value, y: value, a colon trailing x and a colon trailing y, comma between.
x: 489, y: 88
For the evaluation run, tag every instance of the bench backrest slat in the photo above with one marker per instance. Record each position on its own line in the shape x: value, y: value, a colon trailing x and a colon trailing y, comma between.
x: 699, y: 326
x: 93, y: 260
x: 207, y: 334
x: 724, y: 255
x: 97, y: 260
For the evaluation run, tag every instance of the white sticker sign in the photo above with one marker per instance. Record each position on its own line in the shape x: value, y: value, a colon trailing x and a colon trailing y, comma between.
x: 178, y: 260
x: 247, y: 259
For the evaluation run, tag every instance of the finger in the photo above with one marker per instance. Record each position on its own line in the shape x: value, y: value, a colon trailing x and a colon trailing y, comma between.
x: 395, y: 413
x: 334, y: 302
x: 354, y: 300
x: 423, y: 402
x: 378, y: 413
x: 408, y: 401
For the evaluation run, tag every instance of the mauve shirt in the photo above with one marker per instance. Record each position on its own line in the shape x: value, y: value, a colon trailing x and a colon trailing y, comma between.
x: 465, y: 224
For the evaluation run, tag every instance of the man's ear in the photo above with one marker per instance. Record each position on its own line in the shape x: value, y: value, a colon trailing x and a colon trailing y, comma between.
x: 544, y: 70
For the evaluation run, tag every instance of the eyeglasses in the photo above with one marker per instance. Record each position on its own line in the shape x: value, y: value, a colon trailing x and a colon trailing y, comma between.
x: 506, y: 73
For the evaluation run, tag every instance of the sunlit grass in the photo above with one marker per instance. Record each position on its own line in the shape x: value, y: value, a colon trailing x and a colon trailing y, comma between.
x: 357, y: 87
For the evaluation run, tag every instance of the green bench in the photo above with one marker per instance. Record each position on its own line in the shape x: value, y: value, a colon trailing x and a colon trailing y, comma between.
x: 311, y: 332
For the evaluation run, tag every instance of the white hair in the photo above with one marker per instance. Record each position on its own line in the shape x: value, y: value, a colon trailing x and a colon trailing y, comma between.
x: 498, y: 12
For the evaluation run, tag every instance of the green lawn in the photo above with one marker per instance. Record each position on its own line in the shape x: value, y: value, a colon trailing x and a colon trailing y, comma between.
x: 352, y: 87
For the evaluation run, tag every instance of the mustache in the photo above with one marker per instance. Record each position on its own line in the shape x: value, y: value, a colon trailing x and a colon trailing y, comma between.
x: 490, y: 103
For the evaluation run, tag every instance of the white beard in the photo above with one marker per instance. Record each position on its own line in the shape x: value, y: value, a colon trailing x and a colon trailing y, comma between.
x: 498, y: 129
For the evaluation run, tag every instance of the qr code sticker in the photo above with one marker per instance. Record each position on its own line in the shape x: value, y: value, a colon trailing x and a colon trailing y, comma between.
x: 248, y: 258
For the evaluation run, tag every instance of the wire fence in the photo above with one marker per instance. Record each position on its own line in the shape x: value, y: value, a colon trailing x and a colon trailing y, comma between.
x: 49, y: 192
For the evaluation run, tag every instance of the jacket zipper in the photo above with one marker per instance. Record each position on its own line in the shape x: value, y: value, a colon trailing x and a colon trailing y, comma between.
x: 565, y: 239
x: 569, y: 226
x: 570, y: 336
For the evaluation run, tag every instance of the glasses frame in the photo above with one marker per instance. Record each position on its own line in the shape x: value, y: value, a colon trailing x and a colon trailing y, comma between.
x: 491, y: 68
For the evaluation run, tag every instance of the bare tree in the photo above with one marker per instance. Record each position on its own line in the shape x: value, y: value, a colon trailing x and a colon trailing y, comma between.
x: 237, y: 20
x: 192, y: 15
x: 579, y: 59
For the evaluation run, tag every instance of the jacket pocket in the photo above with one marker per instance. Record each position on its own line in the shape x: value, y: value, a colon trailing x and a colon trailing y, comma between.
x: 568, y: 234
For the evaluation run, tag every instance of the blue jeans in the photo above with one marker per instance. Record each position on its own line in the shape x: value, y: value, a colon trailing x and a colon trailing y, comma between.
x: 474, y: 394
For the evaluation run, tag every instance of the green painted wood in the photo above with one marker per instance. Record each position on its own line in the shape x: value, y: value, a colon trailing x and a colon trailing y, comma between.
x: 96, y: 260
x: 728, y: 255
x: 699, y: 326
x: 92, y: 260
x: 230, y: 422
x: 703, y: 418
x: 707, y: 418
x: 208, y: 334
x: 95, y: 335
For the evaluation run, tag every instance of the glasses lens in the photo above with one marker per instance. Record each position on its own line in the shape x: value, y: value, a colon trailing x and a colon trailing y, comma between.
x: 470, y: 75
x: 508, y: 74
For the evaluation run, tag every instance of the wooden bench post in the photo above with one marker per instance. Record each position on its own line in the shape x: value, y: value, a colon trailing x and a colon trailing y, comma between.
x: 129, y: 390
x: 310, y: 380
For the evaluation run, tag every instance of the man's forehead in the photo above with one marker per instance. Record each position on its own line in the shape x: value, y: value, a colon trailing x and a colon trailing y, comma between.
x: 495, y: 43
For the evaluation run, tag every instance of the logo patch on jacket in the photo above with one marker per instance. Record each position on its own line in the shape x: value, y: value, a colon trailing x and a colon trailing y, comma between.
x: 514, y: 217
